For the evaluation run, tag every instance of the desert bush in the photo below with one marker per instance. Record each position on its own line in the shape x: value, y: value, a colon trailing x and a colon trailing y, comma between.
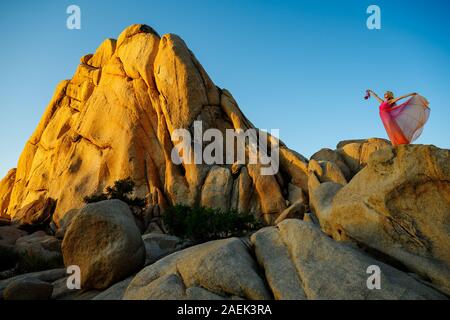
x: 121, y: 190
x: 202, y: 224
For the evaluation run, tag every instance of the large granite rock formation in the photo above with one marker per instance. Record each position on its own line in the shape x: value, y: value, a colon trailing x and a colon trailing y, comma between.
x: 114, y: 119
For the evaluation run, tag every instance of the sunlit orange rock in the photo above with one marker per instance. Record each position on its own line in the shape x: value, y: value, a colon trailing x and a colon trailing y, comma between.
x: 114, y: 119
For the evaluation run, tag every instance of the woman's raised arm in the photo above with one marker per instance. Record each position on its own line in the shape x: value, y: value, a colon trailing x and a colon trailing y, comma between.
x: 403, y: 97
x: 376, y: 96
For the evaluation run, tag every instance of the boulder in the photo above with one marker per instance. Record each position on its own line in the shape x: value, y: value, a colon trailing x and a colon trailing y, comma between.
x: 343, y: 143
x: 216, y: 189
x: 46, y: 276
x: 241, y: 198
x: 41, y: 246
x: 274, y: 258
x: 350, y: 157
x: 62, y: 292
x: 333, y: 156
x: 224, y: 268
x: 60, y: 289
x: 321, y: 199
x: 399, y: 206
x: 296, y: 210
x: 28, y: 289
x: 300, y: 261
x: 154, y: 227
x: 296, y: 194
x: 159, y: 245
x: 8, y: 253
x: 105, y: 243
x: 36, y: 214
x: 114, y: 292
x: 64, y: 223
x: 356, y: 153
x: 9, y: 235
x: 326, y: 171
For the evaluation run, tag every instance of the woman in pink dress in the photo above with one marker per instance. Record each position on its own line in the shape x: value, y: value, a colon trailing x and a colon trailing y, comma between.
x: 403, y: 123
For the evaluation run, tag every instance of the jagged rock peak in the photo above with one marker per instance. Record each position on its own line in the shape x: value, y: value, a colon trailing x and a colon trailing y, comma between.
x: 115, y: 119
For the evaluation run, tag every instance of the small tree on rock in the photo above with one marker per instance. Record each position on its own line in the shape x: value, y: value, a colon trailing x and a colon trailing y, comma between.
x: 121, y: 190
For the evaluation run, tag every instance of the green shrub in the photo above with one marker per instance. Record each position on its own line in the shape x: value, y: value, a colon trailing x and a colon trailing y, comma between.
x: 121, y: 190
x: 204, y: 224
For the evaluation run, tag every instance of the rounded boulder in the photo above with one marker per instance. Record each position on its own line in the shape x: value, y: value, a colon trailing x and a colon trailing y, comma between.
x: 105, y: 243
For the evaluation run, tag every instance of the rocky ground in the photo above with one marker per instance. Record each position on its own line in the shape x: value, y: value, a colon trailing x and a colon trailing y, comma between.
x: 329, y: 219
x: 390, y: 209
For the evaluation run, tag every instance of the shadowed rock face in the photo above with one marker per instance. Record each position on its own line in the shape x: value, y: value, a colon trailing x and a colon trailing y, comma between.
x: 114, y: 119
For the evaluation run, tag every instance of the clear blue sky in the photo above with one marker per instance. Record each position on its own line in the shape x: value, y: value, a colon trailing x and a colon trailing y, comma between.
x: 300, y: 66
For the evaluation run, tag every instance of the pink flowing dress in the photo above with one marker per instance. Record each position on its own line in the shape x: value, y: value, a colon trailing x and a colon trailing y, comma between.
x: 404, y: 123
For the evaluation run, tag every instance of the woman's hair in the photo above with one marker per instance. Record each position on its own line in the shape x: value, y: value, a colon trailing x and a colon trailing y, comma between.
x: 390, y: 94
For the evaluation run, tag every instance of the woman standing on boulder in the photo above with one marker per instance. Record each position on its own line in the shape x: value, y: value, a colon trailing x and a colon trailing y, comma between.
x: 403, y: 123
